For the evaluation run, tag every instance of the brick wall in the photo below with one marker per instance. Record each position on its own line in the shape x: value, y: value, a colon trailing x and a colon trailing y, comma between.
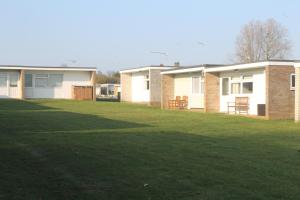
x: 167, y: 89
x: 155, y: 87
x: 297, y: 106
x: 126, y: 87
x: 280, y: 99
x: 212, y: 92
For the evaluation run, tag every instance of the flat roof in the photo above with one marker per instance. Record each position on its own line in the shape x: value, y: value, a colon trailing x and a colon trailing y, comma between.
x: 187, y: 69
x: 58, y: 68
x: 252, y: 65
x: 145, y: 68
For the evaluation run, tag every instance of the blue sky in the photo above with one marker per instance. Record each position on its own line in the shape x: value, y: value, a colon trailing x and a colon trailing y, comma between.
x: 113, y: 35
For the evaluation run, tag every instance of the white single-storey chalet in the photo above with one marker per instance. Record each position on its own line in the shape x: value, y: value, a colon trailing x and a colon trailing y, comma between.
x: 142, y: 84
x: 268, y: 87
x: 44, y: 82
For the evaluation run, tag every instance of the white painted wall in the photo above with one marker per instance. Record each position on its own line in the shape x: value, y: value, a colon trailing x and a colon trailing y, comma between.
x: 259, y: 90
x: 70, y: 78
x: 139, y: 92
x: 183, y: 87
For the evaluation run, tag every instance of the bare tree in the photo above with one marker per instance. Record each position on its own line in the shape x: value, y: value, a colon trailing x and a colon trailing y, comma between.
x: 262, y: 41
x: 109, y: 77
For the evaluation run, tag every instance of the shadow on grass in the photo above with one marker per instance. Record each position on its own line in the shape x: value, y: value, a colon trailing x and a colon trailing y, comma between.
x: 17, y: 105
x: 27, y: 116
x: 149, y: 165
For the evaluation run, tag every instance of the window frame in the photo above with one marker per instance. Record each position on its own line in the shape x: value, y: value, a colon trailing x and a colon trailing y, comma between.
x: 291, y: 81
x: 6, y: 78
x: 228, y: 86
x: 55, y: 86
x: 199, y: 85
x: 243, y: 87
x: 46, y: 77
x: 147, y: 82
x: 32, y: 80
x: 241, y: 82
x: 10, y: 80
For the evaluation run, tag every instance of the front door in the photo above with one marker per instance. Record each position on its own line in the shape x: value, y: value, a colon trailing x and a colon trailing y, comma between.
x: 3, y: 85
x: 196, y: 97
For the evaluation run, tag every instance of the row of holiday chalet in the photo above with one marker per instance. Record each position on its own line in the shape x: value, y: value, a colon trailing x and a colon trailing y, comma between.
x: 269, y: 88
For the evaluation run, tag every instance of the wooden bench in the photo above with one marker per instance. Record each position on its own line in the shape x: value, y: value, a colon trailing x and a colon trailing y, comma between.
x: 178, y: 103
x: 241, y: 105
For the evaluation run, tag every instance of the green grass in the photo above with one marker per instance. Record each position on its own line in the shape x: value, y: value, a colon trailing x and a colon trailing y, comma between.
x: 104, y: 150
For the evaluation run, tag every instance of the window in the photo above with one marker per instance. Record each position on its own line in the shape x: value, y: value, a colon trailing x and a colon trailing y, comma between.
x: 47, y: 80
x: 13, y: 80
x: 3, y: 80
x: 41, y: 80
x: 293, y: 81
x: 55, y: 80
x: 28, y: 80
x: 242, y: 84
x: 225, y: 86
x: 235, y: 88
x: 147, y: 82
x: 195, y: 85
x: 247, y: 84
x: 247, y: 87
x: 236, y: 85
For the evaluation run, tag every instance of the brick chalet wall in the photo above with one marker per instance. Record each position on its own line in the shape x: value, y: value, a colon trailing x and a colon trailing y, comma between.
x: 126, y: 87
x: 280, y: 99
x: 167, y: 89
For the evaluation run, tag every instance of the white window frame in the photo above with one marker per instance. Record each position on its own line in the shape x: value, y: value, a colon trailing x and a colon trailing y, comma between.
x: 46, y: 77
x: 291, y: 81
x: 32, y: 80
x: 241, y: 81
x: 10, y: 78
x: 147, y: 82
x: 229, y: 86
x: 56, y: 86
x: 6, y: 75
x: 236, y: 81
x: 246, y: 81
x: 199, y: 86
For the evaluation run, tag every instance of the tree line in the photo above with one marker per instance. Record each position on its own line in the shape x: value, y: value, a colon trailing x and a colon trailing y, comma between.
x: 108, y: 77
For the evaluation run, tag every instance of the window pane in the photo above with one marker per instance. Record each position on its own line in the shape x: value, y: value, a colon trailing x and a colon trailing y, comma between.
x: 28, y: 80
x: 293, y: 81
x: 235, y: 88
x: 147, y: 82
x: 3, y: 80
x: 248, y: 87
x: 13, y: 80
x: 225, y: 86
x: 195, y: 85
x: 41, y: 82
x: 55, y: 80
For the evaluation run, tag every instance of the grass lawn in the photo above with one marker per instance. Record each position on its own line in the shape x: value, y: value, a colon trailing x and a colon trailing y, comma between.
x: 104, y: 150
